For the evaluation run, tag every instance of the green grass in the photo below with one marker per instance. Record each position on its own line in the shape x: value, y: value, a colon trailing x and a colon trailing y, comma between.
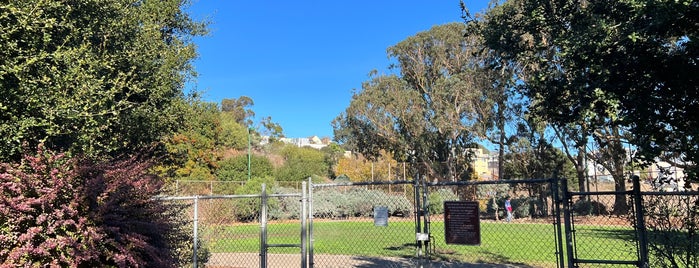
x: 531, y: 244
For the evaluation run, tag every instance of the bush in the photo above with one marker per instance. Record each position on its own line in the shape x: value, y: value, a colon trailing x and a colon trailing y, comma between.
x: 288, y: 207
x: 525, y: 206
x: 62, y: 212
x: 248, y: 209
x: 436, y: 200
x: 584, y: 208
x: 236, y: 168
x: 358, y: 202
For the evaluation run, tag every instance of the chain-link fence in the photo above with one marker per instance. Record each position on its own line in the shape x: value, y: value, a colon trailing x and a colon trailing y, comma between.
x: 525, y: 235
x: 672, y: 221
x: 633, y: 224
x: 407, y: 224
x: 601, y: 228
x: 362, y: 225
x: 238, y: 230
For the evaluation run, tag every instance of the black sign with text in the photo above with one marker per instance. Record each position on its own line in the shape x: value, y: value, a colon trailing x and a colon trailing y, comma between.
x: 462, y: 225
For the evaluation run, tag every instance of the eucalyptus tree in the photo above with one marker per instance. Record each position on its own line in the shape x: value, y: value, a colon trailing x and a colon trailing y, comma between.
x: 95, y: 77
x: 432, y: 111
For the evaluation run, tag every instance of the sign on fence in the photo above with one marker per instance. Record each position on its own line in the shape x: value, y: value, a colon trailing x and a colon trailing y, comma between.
x: 380, y: 216
x: 461, y: 223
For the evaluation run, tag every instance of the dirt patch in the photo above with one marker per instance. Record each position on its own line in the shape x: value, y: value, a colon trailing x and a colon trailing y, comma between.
x: 248, y: 260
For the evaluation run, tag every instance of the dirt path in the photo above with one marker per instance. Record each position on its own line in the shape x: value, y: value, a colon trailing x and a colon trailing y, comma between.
x: 251, y: 260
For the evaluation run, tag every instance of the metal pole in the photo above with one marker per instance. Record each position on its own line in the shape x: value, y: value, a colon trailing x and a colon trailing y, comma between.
x: 568, y: 225
x: 249, y: 149
x: 263, y: 227
x: 418, y: 228
x: 640, y: 223
x: 304, y: 235
x: 196, y: 233
x: 557, y: 221
x: 426, y: 215
x: 310, y: 223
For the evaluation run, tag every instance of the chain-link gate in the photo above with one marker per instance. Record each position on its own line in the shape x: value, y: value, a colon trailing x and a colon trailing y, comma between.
x: 236, y: 231
x: 631, y: 227
x: 347, y: 227
x: 528, y: 234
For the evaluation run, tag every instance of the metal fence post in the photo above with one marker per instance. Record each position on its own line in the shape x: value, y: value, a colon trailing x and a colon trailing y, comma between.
x: 640, y: 223
x: 557, y: 221
x: 263, y: 227
x: 310, y: 223
x: 195, y: 260
x: 567, y: 220
x: 418, y: 227
x: 304, y: 212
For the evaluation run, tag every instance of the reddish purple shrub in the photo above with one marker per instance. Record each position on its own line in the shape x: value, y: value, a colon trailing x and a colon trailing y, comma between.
x: 59, y: 212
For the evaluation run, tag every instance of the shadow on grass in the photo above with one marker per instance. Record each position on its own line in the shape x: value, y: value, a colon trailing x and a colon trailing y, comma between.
x: 377, y: 262
x: 436, y: 260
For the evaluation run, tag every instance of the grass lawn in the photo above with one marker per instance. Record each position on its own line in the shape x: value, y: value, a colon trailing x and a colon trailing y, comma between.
x: 525, y: 243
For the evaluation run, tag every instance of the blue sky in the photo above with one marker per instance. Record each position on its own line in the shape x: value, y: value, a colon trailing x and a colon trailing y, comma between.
x: 300, y: 60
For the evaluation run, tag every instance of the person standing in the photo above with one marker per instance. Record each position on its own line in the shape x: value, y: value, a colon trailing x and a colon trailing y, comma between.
x: 508, y: 207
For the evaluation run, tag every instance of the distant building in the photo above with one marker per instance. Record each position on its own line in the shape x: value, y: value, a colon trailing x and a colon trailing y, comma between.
x: 313, y: 142
x: 485, y: 164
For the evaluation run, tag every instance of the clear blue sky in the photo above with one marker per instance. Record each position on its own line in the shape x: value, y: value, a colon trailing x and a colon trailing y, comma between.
x: 300, y: 60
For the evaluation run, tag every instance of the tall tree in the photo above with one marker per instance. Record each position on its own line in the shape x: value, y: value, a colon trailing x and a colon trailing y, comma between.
x: 628, y: 65
x: 430, y: 114
x: 240, y: 108
x: 95, y: 77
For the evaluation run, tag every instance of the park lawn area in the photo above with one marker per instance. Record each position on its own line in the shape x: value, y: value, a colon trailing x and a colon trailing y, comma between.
x: 523, y: 243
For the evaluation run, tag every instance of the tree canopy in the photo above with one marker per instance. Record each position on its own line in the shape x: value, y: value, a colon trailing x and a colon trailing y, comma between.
x: 430, y: 114
x: 94, y: 77
x: 622, y: 64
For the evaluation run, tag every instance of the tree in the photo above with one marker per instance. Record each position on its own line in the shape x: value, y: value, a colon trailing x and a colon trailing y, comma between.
x: 432, y: 113
x: 91, y: 77
x: 301, y: 163
x: 627, y: 65
x: 358, y: 168
x: 205, y: 134
x: 240, y: 108
x: 236, y: 168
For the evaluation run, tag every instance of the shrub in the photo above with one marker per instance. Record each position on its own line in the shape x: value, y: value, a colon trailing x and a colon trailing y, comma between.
x: 248, y: 209
x: 436, y: 200
x: 236, y: 168
x: 62, y: 212
x: 288, y: 207
x: 358, y: 202
x: 524, y: 206
x: 585, y: 207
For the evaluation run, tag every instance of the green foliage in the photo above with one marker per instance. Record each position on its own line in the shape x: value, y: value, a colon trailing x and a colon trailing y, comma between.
x: 626, y: 64
x: 248, y: 209
x: 436, y: 200
x: 432, y: 113
x: 535, y: 158
x: 358, y: 202
x: 195, y: 150
x: 301, y: 163
x: 236, y: 168
x: 239, y: 109
x: 99, y: 77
